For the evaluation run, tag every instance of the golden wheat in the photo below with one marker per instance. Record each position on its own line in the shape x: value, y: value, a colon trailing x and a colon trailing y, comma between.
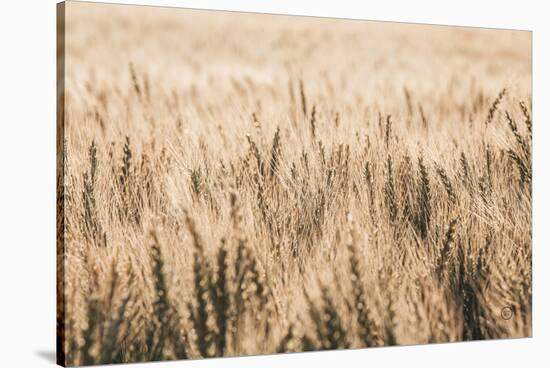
x: 237, y: 184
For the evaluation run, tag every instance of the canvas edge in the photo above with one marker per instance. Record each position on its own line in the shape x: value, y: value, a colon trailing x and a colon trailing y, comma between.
x: 60, y: 177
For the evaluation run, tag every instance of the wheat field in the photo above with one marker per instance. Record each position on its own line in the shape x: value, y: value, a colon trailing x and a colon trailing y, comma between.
x: 237, y: 184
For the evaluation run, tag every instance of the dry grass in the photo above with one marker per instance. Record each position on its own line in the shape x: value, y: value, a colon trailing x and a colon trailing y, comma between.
x: 246, y: 184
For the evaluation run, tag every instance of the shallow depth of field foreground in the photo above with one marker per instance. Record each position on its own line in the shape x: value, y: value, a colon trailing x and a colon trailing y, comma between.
x: 235, y: 184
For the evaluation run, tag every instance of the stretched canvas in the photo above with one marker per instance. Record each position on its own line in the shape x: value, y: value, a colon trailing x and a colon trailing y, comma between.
x: 237, y: 184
